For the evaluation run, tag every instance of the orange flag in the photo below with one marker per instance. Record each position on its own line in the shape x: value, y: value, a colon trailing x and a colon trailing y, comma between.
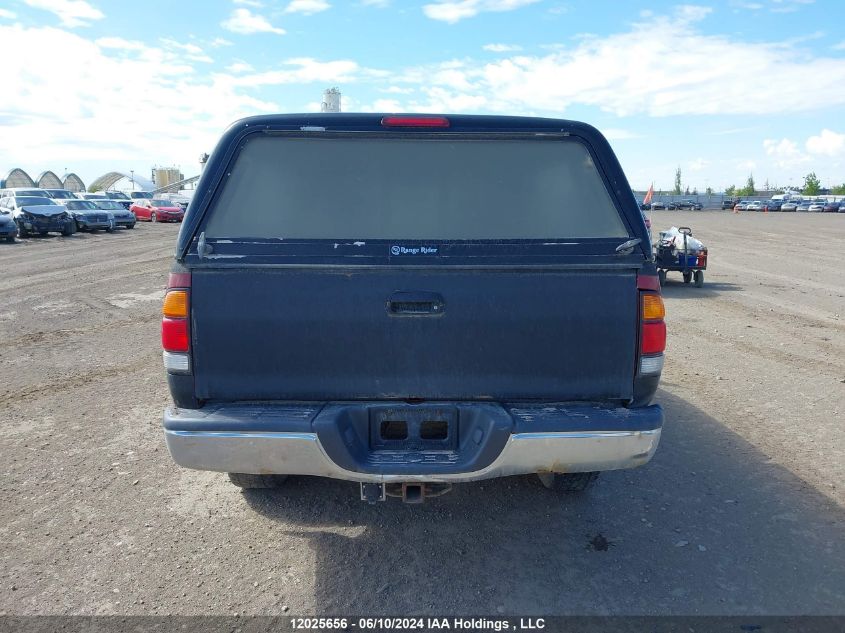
x: 649, y: 195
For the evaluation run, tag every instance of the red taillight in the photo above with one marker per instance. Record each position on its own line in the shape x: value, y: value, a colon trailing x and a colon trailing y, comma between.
x: 652, y: 312
x: 174, y: 326
x: 415, y: 121
x: 174, y: 335
x: 653, y: 339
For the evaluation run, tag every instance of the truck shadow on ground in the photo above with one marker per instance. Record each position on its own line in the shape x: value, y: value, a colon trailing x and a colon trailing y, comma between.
x: 710, y: 526
x: 677, y: 289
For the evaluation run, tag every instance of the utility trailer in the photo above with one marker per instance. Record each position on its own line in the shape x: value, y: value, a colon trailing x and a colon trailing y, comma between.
x: 668, y: 257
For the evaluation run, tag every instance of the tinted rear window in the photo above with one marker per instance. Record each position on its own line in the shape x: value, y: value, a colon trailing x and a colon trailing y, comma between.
x: 414, y: 189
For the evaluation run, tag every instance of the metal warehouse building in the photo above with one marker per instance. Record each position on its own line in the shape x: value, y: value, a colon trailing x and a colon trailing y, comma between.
x: 47, y: 180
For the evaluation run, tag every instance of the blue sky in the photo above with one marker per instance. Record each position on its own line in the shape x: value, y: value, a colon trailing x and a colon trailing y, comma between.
x: 721, y: 89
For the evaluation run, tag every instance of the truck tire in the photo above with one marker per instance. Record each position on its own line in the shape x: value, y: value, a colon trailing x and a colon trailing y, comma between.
x: 699, y: 278
x: 687, y: 277
x: 252, y: 482
x: 567, y: 482
x: 661, y: 277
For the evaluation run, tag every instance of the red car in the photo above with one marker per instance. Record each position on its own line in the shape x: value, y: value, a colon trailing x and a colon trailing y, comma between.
x: 156, y: 210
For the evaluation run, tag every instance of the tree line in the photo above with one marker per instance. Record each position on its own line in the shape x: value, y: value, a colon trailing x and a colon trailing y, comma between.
x: 812, y: 187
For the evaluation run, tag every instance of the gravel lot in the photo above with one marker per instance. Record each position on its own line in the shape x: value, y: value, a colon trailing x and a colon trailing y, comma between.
x: 740, y: 512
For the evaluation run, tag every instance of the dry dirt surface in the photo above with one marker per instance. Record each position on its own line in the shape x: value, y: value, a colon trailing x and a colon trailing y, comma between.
x: 740, y: 512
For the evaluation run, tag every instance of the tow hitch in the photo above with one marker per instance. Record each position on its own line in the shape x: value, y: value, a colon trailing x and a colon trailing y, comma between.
x: 409, y: 492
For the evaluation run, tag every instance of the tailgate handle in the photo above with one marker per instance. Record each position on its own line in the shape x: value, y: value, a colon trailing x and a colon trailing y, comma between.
x: 415, y: 304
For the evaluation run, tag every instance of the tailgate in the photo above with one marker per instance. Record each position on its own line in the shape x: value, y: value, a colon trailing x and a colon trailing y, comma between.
x: 367, y: 333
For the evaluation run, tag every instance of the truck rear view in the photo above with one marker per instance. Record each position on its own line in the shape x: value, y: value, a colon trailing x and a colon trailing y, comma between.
x: 410, y: 302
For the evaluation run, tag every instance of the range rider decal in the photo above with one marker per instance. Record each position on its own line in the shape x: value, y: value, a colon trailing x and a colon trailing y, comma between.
x: 413, y: 250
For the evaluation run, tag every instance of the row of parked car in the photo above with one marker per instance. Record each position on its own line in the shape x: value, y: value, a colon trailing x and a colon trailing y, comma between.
x: 28, y: 211
x: 671, y: 206
x: 815, y: 206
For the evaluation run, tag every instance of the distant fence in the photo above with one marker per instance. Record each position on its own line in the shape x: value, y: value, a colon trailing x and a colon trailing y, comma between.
x: 715, y: 199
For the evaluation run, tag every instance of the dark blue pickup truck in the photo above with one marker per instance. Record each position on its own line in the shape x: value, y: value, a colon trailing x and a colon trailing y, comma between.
x: 411, y: 301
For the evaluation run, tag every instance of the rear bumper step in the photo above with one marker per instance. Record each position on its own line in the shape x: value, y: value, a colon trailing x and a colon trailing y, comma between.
x: 482, y: 441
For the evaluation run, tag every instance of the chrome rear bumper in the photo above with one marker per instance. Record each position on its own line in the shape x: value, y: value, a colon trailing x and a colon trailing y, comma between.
x: 303, y: 454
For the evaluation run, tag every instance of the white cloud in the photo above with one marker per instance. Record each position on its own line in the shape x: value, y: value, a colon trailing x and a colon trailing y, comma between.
x: 217, y: 42
x: 698, y: 164
x: 501, y: 48
x: 9, y: 15
x: 239, y: 67
x: 92, y: 125
x: 119, y: 43
x: 301, y: 70
x: 632, y: 72
x: 250, y: 3
x: 71, y: 13
x: 827, y: 143
x: 396, y: 90
x: 787, y: 153
x: 307, y: 7
x: 190, y: 51
x: 245, y: 22
x: 788, y: 6
x: 452, y: 11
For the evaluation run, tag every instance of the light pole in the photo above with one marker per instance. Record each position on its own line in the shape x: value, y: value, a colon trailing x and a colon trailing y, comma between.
x: 132, y: 178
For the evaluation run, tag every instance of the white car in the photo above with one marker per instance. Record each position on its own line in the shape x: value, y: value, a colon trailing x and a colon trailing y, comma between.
x: 816, y: 206
x: 754, y: 206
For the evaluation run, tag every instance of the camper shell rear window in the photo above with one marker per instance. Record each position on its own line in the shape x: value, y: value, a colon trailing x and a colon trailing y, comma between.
x: 413, y: 189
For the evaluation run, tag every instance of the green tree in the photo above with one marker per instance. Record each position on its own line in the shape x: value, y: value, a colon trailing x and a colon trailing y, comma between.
x: 709, y: 191
x: 677, y: 189
x: 838, y: 191
x: 748, y: 189
x: 812, y: 185
x: 730, y: 191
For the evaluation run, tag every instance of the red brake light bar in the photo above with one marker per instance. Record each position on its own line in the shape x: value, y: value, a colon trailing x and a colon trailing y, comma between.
x: 415, y: 121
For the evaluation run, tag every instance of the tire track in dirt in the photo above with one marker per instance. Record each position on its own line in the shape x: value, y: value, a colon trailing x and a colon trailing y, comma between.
x: 72, y: 381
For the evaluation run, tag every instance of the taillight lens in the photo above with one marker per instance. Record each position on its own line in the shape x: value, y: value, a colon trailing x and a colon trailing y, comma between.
x: 174, y: 335
x: 653, y: 339
x: 652, y: 332
x: 653, y: 309
x: 176, y: 304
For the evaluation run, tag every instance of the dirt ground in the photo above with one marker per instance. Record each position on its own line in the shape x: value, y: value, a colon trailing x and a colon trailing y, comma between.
x: 740, y: 512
